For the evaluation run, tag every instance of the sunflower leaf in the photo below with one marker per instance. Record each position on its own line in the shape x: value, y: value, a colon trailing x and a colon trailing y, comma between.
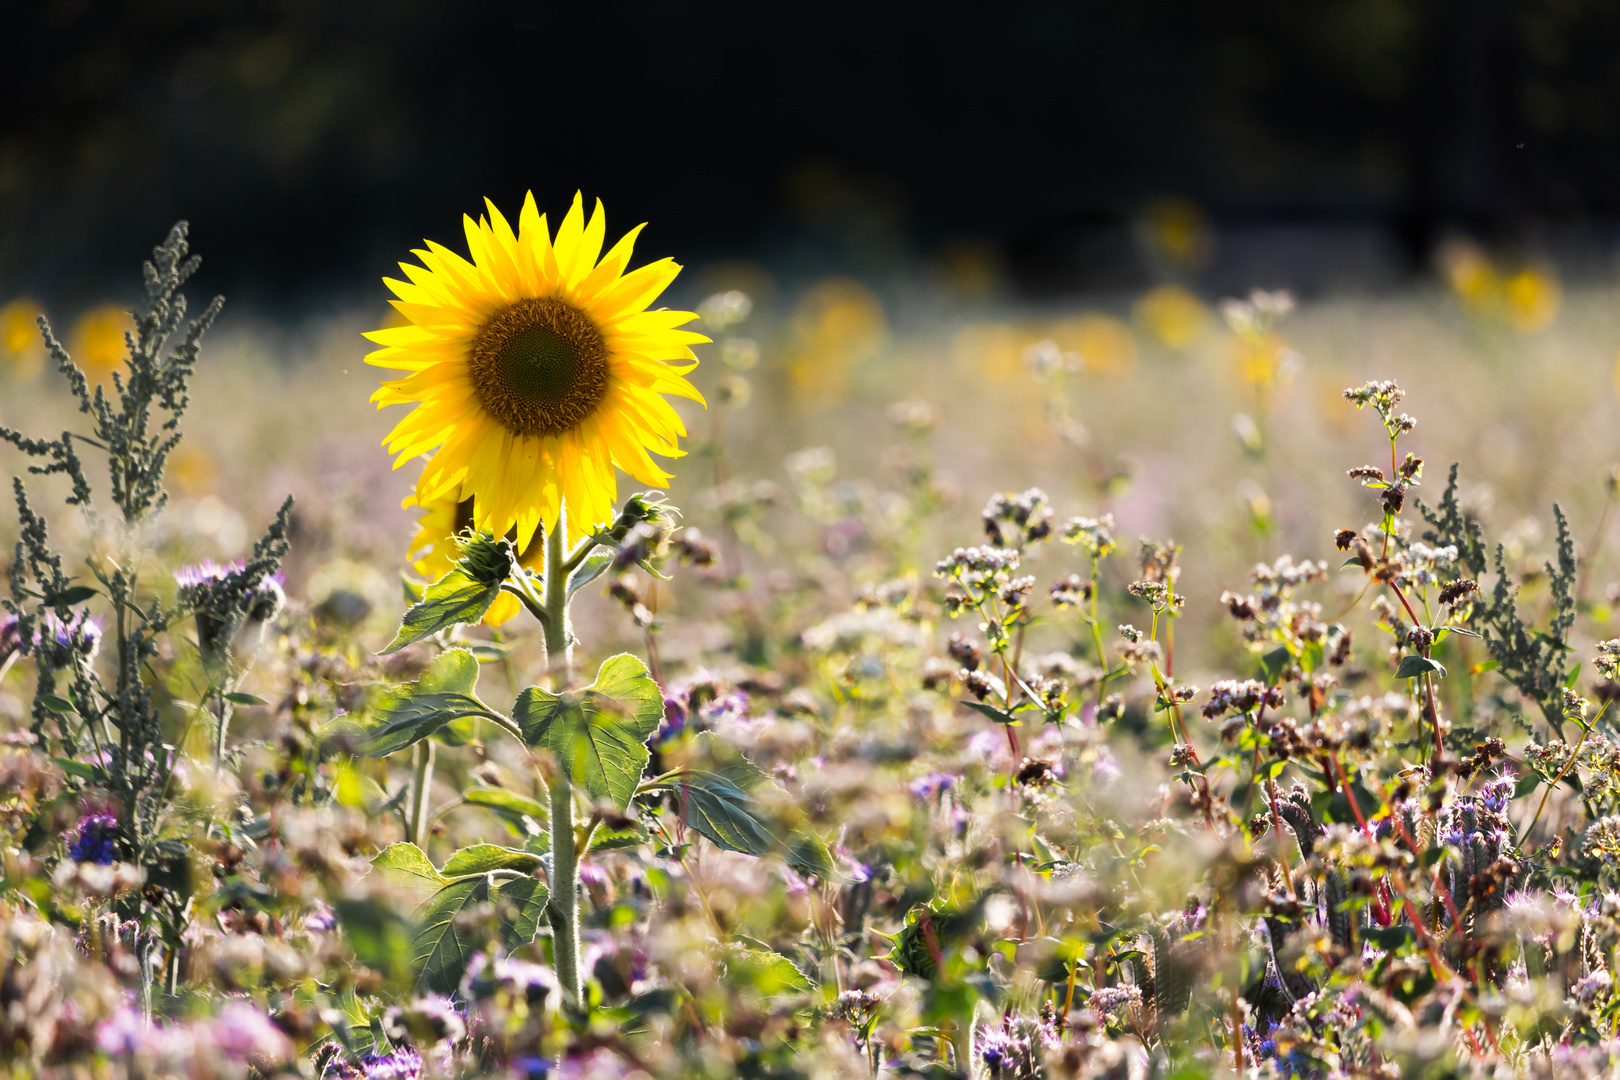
x: 599, y: 734
x: 402, y: 715
x: 521, y: 902
x: 725, y: 813
x: 768, y: 972
x: 440, y: 951
x: 455, y: 598
x: 522, y: 814
x: 592, y: 568
x: 405, y: 867
x: 484, y: 858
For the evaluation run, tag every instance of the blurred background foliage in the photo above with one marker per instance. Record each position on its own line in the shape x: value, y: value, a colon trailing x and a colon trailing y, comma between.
x: 1024, y: 147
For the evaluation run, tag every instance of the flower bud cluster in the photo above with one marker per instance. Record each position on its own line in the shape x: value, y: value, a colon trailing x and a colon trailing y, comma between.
x: 1094, y: 535
x: 1018, y: 519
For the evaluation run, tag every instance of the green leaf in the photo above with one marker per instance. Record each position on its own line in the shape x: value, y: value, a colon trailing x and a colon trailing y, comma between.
x: 1413, y: 665
x: 73, y: 594
x: 769, y: 973
x: 454, y: 598
x: 724, y: 758
x: 402, y: 715
x: 405, y: 867
x: 717, y: 808
x: 807, y: 853
x: 991, y: 711
x: 600, y: 734
x: 55, y: 704
x: 595, y: 564
x: 484, y: 858
x: 522, y: 903
x: 521, y: 813
x: 1484, y: 666
x: 633, y: 835
x: 1274, y: 662
x: 440, y: 952
x: 725, y: 813
x: 1552, y: 642
x: 380, y: 936
x: 75, y: 768
x: 238, y: 698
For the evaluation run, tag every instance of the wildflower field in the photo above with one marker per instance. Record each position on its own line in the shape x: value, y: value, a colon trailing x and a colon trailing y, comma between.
x: 845, y: 679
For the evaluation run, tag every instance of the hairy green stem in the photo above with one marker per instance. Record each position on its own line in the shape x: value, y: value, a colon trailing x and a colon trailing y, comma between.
x: 223, y: 712
x: 421, y: 785
x: 564, y: 907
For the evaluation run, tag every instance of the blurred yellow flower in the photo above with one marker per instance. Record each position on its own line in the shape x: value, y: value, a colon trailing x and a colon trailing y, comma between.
x: 836, y: 325
x: 1532, y: 297
x: 1105, y: 345
x: 1172, y: 315
x: 1262, y: 357
x: 98, y: 340
x: 1528, y: 299
x: 994, y: 351
x: 21, y: 344
x: 1470, y: 274
x: 436, y: 552
x: 192, y: 470
x: 535, y: 369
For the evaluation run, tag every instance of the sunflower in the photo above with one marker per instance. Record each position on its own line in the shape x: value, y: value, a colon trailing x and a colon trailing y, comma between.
x: 436, y: 552
x: 535, y: 369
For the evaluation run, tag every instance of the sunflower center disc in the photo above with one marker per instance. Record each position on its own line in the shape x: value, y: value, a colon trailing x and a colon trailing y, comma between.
x: 539, y: 366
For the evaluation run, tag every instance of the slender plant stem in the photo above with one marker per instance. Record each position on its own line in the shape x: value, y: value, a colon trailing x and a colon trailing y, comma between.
x: 421, y: 785
x: 564, y: 906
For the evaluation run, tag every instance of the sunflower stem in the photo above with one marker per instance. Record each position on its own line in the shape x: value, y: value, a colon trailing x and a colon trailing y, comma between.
x: 421, y: 784
x: 564, y: 913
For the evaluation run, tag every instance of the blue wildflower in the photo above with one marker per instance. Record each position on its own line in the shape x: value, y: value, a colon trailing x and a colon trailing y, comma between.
x: 97, y: 841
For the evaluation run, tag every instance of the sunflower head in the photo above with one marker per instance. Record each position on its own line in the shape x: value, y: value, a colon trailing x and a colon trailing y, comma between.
x: 535, y: 370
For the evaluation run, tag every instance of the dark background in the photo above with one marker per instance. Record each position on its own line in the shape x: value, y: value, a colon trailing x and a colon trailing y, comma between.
x: 312, y: 142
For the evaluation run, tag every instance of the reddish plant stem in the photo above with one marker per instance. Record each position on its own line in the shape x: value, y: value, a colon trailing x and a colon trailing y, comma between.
x: 1428, y: 680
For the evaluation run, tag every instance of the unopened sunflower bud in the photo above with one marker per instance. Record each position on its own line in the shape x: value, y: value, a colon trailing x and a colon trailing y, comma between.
x: 641, y: 507
x: 1393, y: 498
x: 1411, y: 468
x: 486, y: 559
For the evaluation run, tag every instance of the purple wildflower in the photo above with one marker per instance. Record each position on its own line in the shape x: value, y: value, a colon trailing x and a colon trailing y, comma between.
x: 935, y: 783
x: 97, y: 841
x: 403, y: 1064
